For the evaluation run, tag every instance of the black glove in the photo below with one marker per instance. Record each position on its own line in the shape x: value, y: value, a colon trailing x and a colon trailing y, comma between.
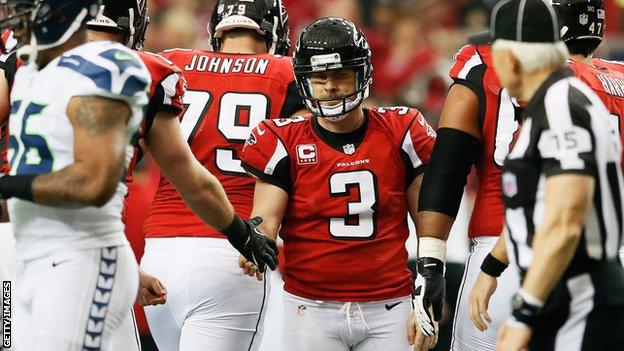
x: 251, y: 243
x: 429, y: 292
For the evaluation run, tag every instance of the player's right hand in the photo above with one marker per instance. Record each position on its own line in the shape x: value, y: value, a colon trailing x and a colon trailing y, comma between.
x: 480, y: 295
x: 257, y: 247
x: 429, y: 291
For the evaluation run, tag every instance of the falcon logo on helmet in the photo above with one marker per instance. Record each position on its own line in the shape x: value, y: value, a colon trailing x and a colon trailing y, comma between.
x: 328, y: 44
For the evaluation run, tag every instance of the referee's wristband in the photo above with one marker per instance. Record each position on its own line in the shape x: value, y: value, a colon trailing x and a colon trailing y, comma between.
x: 19, y: 186
x: 492, y: 266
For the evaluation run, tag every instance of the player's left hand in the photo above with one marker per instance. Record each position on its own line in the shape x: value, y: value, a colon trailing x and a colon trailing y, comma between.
x: 416, y: 337
x: 252, y: 243
x: 151, y: 291
x: 429, y: 291
x: 514, y: 337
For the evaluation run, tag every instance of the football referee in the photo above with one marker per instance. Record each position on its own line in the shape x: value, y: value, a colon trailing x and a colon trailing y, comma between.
x: 562, y: 188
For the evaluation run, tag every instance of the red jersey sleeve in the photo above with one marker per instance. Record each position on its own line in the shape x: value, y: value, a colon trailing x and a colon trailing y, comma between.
x: 416, y: 137
x: 265, y: 157
x: 469, y: 69
x: 417, y: 145
x: 168, y: 84
x: 4, y: 145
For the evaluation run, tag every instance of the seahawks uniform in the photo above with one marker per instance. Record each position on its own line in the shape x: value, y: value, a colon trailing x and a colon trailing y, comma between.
x: 78, y: 277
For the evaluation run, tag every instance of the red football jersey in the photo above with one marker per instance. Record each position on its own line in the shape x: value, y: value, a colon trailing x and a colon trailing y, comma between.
x: 165, y: 94
x: 227, y: 96
x: 9, y: 65
x: 608, y: 84
x: 345, y: 227
x: 498, y: 116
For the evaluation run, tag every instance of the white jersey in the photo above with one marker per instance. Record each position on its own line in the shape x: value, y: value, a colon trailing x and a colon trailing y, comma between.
x: 42, y: 142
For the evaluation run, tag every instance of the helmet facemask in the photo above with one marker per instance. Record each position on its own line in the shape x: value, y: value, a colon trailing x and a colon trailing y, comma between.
x: 342, y: 105
x: 17, y: 16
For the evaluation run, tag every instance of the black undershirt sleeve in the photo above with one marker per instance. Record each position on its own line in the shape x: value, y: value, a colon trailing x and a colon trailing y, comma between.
x: 444, y: 180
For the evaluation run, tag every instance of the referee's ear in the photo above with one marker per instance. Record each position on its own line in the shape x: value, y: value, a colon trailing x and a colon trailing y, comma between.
x: 507, y: 67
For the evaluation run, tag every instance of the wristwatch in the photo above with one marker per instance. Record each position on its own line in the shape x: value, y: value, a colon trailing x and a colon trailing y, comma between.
x: 524, y: 311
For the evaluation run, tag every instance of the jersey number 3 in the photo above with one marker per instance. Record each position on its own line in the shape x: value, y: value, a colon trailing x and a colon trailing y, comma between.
x: 230, y: 121
x: 359, y: 222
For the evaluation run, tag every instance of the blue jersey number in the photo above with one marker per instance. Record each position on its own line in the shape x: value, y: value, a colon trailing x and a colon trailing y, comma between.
x: 36, y: 157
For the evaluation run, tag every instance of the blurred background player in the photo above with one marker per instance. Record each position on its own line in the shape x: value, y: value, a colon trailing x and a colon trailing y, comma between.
x: 211, y: 304
x: 477, y: 125
x: 340, y: 183
x: 583, y: 26
x: 161, y: 133
x: 582, y: 38
x: 70, y: 144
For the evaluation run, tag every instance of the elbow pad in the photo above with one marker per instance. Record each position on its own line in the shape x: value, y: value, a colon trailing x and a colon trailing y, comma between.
x: 445, y: 177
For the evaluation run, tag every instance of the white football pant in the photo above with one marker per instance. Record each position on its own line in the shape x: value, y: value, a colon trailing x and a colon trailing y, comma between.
x: 466, y: 337
x: 311, y: 325
x: 211, y: 305
x: 76, y: 300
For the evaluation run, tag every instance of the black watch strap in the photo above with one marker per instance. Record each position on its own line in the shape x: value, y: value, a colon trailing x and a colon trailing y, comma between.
x: 524, y: 311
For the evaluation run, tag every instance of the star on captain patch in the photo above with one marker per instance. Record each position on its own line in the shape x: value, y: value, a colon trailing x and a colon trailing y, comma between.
x: 348, y: 149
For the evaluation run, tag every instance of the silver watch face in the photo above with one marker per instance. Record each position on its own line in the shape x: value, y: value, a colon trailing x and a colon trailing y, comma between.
x: 517, y: 302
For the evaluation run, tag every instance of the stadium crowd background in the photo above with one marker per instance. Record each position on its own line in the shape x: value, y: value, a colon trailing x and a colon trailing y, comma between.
x: 413, y: 43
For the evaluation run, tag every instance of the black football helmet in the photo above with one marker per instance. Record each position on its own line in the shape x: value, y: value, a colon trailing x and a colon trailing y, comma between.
x: 129, y: 17
x: 268, y: 17
x: 332, y: 43
x: 44, y: 24
x: 582, y: 24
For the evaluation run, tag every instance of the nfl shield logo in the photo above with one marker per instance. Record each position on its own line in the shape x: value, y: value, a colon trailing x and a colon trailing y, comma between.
x: 583, y: 19
x: 510, y: 184
x: 348, y: 149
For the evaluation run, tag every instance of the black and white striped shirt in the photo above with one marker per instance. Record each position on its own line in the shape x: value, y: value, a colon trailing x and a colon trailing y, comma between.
x: 565, y: 130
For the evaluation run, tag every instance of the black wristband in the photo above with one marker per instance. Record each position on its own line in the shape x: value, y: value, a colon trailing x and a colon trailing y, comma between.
x: 525, y: 312
x: 236, y: 231
x: 19, y: 186
x: 492, y: 266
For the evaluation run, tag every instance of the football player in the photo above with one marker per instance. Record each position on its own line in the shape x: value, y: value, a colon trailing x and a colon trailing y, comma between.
x: 161, y: 128
x: 338, y: 185
x: 478, y: 123
x: 212, y: 305
x: 69, y: 147
x: 582, y: 28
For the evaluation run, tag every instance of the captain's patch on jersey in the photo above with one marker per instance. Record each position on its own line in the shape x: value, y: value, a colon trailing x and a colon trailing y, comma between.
x: 306, y: 154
